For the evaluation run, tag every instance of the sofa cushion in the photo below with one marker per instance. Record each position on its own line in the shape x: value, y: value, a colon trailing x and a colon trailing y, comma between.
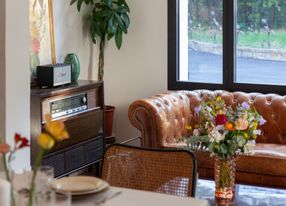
x: 268, y: 159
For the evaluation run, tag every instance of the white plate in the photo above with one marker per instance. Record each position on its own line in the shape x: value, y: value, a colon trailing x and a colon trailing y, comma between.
x: 79, y: 185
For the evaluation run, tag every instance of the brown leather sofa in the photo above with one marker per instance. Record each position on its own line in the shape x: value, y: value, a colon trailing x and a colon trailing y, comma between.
x: 162, y: 120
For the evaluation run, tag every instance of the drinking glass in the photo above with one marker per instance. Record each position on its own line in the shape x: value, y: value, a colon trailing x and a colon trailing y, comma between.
x: 52, y: 198
x: 44, y: 177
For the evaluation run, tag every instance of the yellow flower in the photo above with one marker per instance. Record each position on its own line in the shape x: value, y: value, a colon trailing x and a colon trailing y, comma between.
x: 218, y: 98
x: 245, y: 135
x: 189, y: 127
x: 45, y: 141
x: 56, y: 129
x: 254, y: 125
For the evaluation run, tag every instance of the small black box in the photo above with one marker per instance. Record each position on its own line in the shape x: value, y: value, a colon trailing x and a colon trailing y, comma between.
x: 53, y: 75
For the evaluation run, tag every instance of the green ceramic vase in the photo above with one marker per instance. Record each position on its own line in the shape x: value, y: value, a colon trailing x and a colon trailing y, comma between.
x: 74, y: 61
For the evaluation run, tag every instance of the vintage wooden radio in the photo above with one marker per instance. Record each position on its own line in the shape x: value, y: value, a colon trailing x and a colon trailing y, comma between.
x: 80, y: 106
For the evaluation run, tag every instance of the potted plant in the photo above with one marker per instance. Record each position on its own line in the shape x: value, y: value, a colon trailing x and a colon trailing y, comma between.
x: 107, y: 19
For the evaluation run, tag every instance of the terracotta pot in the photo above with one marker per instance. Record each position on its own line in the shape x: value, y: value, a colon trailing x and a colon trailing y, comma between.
x: 108, y: 119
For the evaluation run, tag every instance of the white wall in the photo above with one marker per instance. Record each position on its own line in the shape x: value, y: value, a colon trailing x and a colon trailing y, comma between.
x: 138, y: 70
x: 17, y: 76
x: 2, y: 69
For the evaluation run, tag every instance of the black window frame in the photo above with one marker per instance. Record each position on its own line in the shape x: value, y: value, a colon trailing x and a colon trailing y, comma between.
x: 229, y: 56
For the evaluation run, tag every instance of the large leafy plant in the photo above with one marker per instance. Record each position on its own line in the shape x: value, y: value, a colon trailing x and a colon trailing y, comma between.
x: 107, y: 19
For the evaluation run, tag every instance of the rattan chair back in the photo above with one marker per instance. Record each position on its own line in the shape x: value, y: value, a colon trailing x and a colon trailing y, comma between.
x: 160, y: 170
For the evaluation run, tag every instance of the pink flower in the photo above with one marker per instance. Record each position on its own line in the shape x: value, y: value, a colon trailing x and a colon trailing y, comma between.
x: 36, y: 46
x: 241, y: 124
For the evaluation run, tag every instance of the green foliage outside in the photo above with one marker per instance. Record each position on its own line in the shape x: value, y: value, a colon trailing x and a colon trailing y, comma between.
x: 246, y: 39
x: 260, y: 23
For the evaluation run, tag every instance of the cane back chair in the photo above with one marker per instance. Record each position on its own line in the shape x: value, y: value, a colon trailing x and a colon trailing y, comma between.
x: 167, y: 171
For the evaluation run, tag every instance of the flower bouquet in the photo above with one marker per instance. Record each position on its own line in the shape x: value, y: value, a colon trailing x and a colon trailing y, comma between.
x: 54, y: 131
x: 225, y: 132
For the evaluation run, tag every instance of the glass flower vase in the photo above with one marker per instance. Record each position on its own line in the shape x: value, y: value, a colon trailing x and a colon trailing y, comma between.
x: 225, y: 179
x: 22, y: 186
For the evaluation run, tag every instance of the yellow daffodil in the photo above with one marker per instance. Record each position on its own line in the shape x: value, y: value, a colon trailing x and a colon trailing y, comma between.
x: 56, y: 129
x: 45, y: 141
x: 64, y: 135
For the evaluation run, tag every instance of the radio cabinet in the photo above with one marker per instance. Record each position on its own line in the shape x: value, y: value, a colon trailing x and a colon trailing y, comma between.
x: 80, y: 106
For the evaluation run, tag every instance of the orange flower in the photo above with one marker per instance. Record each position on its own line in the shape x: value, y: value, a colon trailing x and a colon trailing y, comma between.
x: 229, y: 126
x: 4, y: 148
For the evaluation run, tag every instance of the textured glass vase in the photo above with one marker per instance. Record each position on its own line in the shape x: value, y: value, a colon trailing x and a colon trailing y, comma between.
x: 225, y: 179
x: 74, y: 61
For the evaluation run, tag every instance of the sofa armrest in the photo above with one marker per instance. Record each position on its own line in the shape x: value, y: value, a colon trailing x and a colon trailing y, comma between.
x: 161, y: 119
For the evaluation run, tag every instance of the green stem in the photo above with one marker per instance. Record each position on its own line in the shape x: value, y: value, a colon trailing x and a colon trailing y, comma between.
x: 6, y: 168
x: 32, y: 185
x: 224, y: 176
x: 101, y: 59
x: 9, y: 179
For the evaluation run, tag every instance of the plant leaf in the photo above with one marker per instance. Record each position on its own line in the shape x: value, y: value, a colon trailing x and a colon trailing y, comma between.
x: 79, y: 4
x: 109, y: 36
x: 118, y: 38
x: 126, y: 20
x: 72, y: 2
x: 104, y: 13
x: 120, y: 23
x: 111, y: 25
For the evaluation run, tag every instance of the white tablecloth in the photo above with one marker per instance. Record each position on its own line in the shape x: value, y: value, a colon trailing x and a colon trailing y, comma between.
x: 130, y: 197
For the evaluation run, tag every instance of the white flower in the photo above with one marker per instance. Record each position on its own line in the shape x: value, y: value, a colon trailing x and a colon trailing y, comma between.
x: 196, y: 132
x: 217, y: 134
x: 257, y: 132
x: 248, y: 147
x: 238, y: 152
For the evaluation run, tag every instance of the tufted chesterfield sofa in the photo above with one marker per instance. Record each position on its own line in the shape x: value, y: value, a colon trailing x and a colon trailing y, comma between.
x: 162, y: 120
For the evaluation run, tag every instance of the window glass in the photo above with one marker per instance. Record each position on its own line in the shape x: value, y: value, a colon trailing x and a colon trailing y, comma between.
x: 201, y: 41
x: 261, y: 42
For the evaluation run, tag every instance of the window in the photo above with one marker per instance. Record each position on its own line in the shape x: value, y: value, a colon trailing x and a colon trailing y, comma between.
x: 227, y: 44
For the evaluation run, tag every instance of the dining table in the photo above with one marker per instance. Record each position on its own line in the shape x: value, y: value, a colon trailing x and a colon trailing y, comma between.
x: 116, y: 196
